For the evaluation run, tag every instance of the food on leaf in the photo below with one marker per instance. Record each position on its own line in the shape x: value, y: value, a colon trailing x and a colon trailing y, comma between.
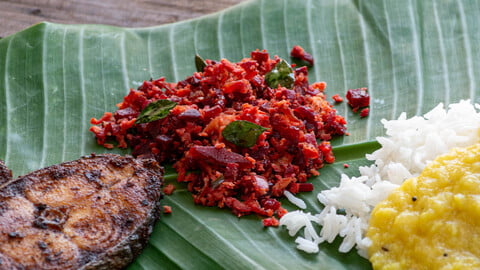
x: 168, y: 189
x: 242, y: 133
x: 337, y: 98
x: 436, y: 214
x: 299, y: 53
x: 156, y: 110
x: 239, y: 135
x: 358, y: 98
x: 281, y: 74
x: 364, y: 112
x: 411, y: 143
x: 200, y: 64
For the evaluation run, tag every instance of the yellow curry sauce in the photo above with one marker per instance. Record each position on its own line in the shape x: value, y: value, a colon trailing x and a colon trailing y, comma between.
x: 431, y: 221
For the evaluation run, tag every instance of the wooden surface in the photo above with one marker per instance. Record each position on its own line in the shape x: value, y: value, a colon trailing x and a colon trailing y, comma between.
x: 16, y: 15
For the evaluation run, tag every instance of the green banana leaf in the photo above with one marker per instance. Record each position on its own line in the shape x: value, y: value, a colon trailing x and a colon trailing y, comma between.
x: 410, y: 54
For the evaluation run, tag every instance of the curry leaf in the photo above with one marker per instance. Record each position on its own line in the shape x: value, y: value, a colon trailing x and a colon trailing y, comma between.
x: 200, y: 64
x: 281, y: 74
x: 156, y: 110
x: 242, y: 133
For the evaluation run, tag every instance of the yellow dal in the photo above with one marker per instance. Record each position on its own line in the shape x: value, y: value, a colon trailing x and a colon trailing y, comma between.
x: 431, y: 221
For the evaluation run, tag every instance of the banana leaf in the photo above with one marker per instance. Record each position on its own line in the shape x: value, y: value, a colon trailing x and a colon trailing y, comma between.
x: 410, y: 54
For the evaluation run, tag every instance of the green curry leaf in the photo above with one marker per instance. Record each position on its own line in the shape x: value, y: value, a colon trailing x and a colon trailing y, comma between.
x: 156, y: 110
x: 242, y: 133
x: 200, y: 63
x: 281, y: 74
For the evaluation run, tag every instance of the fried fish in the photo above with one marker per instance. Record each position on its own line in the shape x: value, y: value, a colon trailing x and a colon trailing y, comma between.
x: 96, y: 212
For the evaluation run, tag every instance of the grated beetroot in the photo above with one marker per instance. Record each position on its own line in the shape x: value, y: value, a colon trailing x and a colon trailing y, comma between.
x: 270, y: 222
x: 299, y: 53
x: 298, y: 122
x: 337, y: 98
x: 168, y: 189
x: 358, y: 98
x: 364, y: 112
x: 167, y: 209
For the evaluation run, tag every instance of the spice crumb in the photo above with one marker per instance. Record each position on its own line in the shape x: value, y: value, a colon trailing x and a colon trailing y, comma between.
x: 167, y: 209
x: 15, y: 235
x: 168, y: 189
x: 270, y: 222
x: 364, y: 112
x: 337, y: 98
x: 414, y: 198
x: 299, y: 53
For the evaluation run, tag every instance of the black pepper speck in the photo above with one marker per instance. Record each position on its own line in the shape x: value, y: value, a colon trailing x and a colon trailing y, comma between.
x: 15, y: 235
x: 42, y: 245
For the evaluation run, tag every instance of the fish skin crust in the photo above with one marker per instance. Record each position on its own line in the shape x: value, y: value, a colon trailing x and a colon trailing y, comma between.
x: 96, y: 212
x: 5, y: 174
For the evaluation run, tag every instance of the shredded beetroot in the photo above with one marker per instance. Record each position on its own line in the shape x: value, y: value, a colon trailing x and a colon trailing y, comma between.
x: 167, y: 209
x: 168, y: 189
x: 337, y: 98
x: 298, y: 123
x: 358, y: 98
x: 270, y: 222
x: 299, y: 53
x: 364, y: 112
x: 305, y: 187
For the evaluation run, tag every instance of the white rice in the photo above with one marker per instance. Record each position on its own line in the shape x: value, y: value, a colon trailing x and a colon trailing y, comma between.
x: 409, y: 145
x: 297, y: 201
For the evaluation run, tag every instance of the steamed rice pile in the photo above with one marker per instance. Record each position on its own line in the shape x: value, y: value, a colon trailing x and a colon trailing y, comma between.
x: 409, y: 145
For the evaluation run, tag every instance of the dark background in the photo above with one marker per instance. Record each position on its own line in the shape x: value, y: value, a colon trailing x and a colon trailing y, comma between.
x: 16, y: 15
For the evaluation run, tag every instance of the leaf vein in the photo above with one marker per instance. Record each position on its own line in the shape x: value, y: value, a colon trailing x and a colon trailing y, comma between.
x: 105, y: 108
x: 271, y: 260
x: 64, y: 145
x: 172, y: 51
x: 242, y: 43
x: 285, y: 27
x: 214, y: 233
x: 262, y: 23
x: 290, y: 250
x: 82, y: 89
x: 219, y: 35
x: 468, y: 49
x: 124, y: 62
x: 195, y: 37
x: 392, y: 59
x: 171, y: 258
x: 418, y: 61
x: 367, y: 64
x: 149, y: 52
x: 340, y: 48
x: 310, y: 39
x: 7, y: 102
x: 45, y: 100
x: 445, y: 72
